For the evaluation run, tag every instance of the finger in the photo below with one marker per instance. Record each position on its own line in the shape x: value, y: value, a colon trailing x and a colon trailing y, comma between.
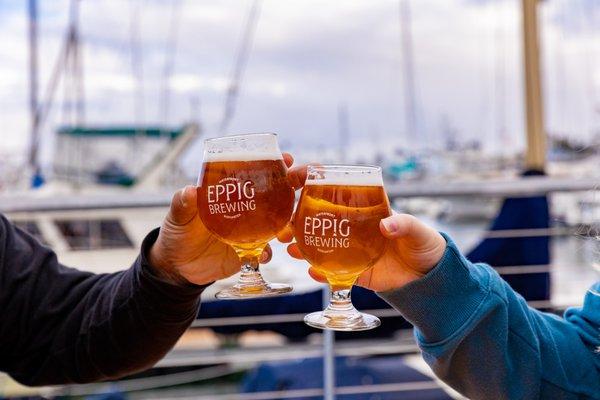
x: 287, y: 159
x: 286, y: 235
x: 297, y: 176
x: 407, y: 227
x: 266, y: 255
x: 317, y: 276
x: 294, y: 251
x: 183, y: 206
x: 364, y: 279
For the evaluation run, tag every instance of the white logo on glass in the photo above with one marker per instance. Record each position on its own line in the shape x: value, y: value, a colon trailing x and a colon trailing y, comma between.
x: 326, y: 232
x: 230, y: 197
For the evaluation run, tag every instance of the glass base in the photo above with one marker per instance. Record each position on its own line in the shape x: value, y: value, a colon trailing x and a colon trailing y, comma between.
x: 239, y: 292
x: 355, y: 321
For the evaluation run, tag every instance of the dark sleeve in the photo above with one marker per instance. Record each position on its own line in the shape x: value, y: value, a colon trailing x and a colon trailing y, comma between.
x: 61, y: 325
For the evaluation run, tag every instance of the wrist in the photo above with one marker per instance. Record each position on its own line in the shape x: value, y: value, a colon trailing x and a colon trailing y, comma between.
x: 430, y: 258
x: 164, y: 269
x: 402, y: 280
x: 422, y: 265
x: 443, y: 300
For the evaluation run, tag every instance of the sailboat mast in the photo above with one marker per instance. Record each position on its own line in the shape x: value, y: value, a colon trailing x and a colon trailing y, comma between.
x: 241, y: 60
x: 409, y: 74
x: 344, y: 131
x: 535, y: 157
x: 33, y: 84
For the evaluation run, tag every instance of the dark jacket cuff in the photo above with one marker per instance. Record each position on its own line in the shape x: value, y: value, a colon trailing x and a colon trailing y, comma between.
x: 442, y: 301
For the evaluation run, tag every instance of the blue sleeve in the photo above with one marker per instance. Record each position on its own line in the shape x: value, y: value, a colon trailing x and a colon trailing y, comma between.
x: 480, y: 337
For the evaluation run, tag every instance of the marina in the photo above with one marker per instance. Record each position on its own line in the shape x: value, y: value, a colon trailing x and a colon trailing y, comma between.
x: 98, y: 173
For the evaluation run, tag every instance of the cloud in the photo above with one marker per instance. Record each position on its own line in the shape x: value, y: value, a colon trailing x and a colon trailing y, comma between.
x: 308, y: 57
x: 191, y: 83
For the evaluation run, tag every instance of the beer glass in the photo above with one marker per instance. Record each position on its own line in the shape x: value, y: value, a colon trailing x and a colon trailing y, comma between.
x: 337, y: 230
x: 244, y: 198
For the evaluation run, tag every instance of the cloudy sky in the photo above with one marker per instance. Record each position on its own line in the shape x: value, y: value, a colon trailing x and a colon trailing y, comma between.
x: 308, y: 58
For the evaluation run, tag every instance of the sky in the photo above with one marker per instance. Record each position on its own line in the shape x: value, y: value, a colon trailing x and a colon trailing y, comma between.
x: 308, y: 59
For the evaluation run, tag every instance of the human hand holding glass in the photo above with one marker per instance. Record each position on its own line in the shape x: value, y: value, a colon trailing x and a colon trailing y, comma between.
x: 186, y: 252
x: 412, y: 250
x: 336, y: 228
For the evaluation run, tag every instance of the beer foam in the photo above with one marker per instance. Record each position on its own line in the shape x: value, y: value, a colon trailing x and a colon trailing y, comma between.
x: 242, y: 156
x: 342, y: 178
x: 246, y: 147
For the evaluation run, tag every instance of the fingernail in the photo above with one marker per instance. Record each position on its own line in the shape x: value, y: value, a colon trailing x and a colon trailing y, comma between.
x: 264, y: 256
x: 182, y: 197
x: 390, y: 225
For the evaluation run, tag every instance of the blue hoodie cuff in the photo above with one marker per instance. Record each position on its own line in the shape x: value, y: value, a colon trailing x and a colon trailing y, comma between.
x: 442, y: 301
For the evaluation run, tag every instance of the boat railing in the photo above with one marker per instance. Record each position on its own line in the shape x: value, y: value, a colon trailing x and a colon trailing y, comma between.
x: 123, y: 199
x: 227, y: 358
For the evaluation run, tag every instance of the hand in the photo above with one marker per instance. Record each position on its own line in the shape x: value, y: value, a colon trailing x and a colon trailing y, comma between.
x: 413, y: 249
x: 186, y: 251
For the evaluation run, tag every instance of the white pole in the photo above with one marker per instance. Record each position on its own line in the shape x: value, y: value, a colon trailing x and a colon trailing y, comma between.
x: 328, y: 355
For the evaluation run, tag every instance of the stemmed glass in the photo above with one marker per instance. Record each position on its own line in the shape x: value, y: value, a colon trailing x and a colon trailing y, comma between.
x: 245, y: 199
x: 337, y: 231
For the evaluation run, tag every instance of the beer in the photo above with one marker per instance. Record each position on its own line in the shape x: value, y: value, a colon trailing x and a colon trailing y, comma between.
x: 245, y: 202
x: 244, y: 199
x: 337, y: 229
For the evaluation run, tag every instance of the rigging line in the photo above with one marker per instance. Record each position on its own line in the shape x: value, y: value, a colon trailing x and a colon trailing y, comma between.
x: 78, y: 67
x: 343, y: 131
x: 561, y: 86
x: 70, y: 83
x: 500, y: 81
x: 410, y: 102
x: 481, y: 76
x: 45, y: 107
x: 32, y: 8
x: 241, y: 60
x: 66, y: 88
x: 137, y: 67
x: 170, y: 54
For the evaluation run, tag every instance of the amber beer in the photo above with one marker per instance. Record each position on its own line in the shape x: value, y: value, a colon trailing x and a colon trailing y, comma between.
x: 337, y: 228
x: 245, y: 202
x: 244, y: 199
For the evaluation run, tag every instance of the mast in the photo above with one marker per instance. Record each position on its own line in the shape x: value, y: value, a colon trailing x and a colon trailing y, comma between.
x: 410, y: 102
x: 241, y: 60
x: 535, y: 158
x: 77, y: 66
x: 344, y: 131
x: 33, y: 86
x: 74, y: 98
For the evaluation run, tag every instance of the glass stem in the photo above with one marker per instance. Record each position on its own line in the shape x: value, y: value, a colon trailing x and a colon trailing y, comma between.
x: 250, y: 276
x: 340, y: 305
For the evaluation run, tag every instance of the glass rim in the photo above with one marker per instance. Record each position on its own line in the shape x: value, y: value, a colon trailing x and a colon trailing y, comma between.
x: 343, y: 168
x: 240, y: 136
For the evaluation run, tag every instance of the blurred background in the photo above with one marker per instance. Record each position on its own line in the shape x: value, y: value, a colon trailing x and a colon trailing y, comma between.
x: 484, y: 114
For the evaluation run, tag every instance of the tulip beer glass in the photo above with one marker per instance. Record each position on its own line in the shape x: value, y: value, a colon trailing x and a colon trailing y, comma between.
x: 244, y: 198
x: 337, y: 230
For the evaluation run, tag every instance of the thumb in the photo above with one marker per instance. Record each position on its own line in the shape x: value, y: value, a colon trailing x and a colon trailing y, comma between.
x: 183, y: 206
x: 407, y: 227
